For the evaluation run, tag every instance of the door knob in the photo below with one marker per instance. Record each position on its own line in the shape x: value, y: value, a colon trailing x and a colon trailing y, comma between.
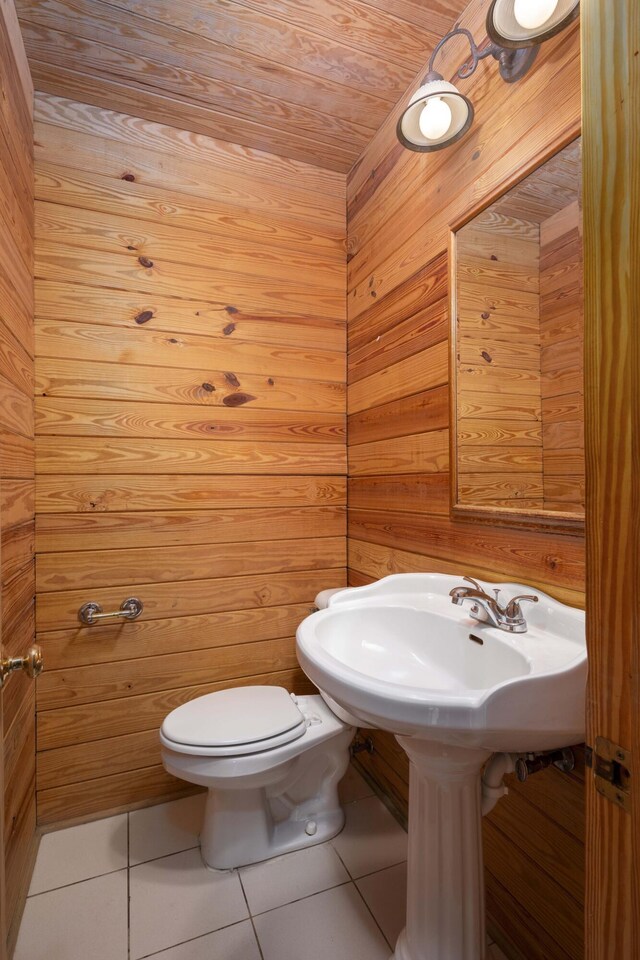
x: 32, y: 664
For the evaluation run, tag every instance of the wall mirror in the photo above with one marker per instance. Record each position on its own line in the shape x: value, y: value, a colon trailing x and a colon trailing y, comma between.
x: 517, y: 349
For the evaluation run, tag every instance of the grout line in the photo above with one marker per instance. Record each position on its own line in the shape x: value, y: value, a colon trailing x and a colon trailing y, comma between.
x: 355, y: 880
x: 75, y: 883
x: 373, y: 917
x: 372, y: 873
x: 253, y: 926
x: 344, y: 883
x: 341, y: 861
x: 201, y: 936
x: 164, y: 856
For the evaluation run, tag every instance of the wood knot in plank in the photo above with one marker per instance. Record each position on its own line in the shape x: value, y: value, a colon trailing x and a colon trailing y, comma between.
x: 209, y: 387
x: 485, y: 315
x: 231, y: 310
x: 237, y: 399
x: 144, y: 316
x: 129, y: 177
x: 487, y: 356
x: 228, y: 330
x: 145, y: 262
x: 232, y: 380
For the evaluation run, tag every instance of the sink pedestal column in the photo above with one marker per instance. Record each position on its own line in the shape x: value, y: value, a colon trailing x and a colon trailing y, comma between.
x: 445, y: 896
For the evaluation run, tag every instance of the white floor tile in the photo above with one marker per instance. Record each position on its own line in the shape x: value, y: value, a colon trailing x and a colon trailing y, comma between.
x: 233, y: 943
x: 334, y: 924
x: 353, y: 786
x: 165, y: 829
x: 79, y: 853
x: 371, y: 840
x: 84, y: 920
x: 291, y: 877
x: 386, y: 896
x: 176, y: 899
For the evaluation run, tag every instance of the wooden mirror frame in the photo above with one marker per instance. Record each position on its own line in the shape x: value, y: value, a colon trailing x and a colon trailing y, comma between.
x: 560, y: 522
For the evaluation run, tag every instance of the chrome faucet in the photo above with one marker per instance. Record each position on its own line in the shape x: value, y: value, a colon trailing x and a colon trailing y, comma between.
x: 487, y: 609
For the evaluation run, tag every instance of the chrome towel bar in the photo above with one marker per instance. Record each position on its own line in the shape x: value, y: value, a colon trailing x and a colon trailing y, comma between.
x: 91, y: 613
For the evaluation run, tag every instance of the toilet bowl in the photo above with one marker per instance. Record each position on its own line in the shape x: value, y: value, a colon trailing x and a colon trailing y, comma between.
x: 271, y: 762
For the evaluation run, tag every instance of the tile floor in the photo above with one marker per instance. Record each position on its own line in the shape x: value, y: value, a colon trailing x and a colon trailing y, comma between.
x: 134, y: 886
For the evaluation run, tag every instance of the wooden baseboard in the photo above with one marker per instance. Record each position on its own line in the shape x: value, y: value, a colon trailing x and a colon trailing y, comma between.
x: 389, y: 801
x: 112, y: 811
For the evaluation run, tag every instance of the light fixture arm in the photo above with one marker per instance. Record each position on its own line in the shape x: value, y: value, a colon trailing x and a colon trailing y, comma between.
x: 469, y: 66
x: 513, y: 64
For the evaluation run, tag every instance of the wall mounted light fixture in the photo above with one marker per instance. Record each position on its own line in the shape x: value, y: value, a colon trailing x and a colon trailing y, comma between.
x: 438, y: 114
x: 526, y: 23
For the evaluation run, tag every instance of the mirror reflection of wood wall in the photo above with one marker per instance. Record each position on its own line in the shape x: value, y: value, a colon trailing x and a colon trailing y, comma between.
x: 519, y: 346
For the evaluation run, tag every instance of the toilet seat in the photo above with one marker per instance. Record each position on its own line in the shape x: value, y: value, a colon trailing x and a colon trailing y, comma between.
x: 235, y: 722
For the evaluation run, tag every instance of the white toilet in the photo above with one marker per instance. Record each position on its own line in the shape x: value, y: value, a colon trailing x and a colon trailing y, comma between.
x: 271, y: 762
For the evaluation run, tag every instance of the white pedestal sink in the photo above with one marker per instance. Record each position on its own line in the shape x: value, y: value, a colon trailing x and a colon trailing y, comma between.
x: 398, y: 655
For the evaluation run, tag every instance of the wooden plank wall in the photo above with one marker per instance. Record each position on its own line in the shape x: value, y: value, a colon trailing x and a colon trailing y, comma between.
x: 16, y: 456
x: 562, y: 335
x: 401, y: 206
x: 499, y: 384
x: 191, y: 432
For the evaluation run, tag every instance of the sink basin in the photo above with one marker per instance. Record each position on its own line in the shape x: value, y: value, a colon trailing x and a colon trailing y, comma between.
x: 417, y: 650
x: 400, y: 656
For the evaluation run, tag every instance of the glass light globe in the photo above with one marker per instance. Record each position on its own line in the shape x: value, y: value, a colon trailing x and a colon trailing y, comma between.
x: 532, y: 14
x: 435, y: 119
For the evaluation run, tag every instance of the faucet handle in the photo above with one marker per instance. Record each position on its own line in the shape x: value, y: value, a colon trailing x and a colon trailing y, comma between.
x: 475, y: 583
x: 513, y: 610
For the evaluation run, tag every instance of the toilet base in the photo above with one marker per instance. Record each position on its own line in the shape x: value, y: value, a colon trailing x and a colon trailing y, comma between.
x: 298, y: 808
x: 238, y: 829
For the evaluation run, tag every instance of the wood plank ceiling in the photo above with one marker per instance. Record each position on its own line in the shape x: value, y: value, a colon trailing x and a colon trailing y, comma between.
x: 307, y: 79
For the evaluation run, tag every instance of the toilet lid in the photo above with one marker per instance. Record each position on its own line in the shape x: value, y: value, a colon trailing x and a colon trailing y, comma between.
x: 232, y: 718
